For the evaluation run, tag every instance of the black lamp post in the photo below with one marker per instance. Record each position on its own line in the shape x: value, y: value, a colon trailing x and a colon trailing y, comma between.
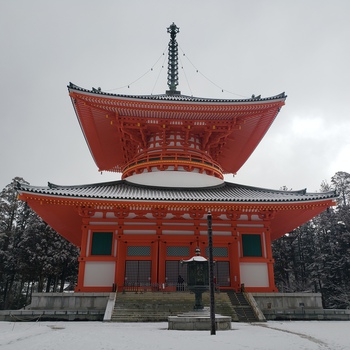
x: 211, y: 276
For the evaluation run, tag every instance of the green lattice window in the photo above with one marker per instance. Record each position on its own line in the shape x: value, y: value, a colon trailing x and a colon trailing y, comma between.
x: 219, y: 252
x: 101, y: 243
x: 139, y: 251
x: 178, y: 251
x: 251, y: 245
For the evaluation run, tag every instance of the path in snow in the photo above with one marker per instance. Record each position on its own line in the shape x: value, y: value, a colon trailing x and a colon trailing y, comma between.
x: 303, y: 335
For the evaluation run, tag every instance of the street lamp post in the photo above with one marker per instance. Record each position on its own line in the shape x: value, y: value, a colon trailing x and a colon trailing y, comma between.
x: 211, y: 275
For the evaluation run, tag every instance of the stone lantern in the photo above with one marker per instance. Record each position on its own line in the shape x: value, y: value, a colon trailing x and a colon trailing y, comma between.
x: 199, y: 318
x: 197, y: 277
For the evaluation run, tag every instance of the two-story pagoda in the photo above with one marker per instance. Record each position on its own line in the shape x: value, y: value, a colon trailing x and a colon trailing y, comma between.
x: 172, y: 151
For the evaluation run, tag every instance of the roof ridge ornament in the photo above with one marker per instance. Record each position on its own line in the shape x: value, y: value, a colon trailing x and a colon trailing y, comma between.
x: 173, y: 80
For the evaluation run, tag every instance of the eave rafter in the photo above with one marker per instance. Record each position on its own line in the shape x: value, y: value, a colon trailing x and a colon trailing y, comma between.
x: 178, y: 110
x: 214, y: 137
x: 135, y: 131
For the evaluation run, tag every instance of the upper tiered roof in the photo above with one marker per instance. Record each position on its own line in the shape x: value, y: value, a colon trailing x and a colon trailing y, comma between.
x: 116, y: 127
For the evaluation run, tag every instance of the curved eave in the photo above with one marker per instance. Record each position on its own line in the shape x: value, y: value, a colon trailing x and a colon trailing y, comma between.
x: 86, y: 201
x: 125, y: 190
x: 62, y: 212
x: 164, y: 97
x: 244, y: 122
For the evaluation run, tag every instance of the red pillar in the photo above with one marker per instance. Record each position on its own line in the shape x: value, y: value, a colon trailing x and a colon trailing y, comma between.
x: 161, y: 262
x: 270, y: 261
x: 81, y: 273
x: 120, y: 264
x: 154, y: 262
x: 234, y: 262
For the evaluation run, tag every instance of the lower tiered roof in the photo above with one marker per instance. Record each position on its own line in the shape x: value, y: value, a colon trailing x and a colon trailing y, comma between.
x: 226, y: 192
x: 57, y: 205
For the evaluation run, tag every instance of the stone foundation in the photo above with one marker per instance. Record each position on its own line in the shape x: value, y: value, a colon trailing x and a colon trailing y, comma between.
x: 68, y: 301
x: 288, y: 301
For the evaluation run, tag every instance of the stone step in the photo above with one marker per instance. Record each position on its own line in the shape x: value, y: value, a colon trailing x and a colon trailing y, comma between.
x: 157, y: 296
x: 242, y: 307
x: 157, y: 306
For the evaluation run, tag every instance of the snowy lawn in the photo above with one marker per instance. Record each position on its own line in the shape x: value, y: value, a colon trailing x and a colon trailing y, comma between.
x: 291, y: 335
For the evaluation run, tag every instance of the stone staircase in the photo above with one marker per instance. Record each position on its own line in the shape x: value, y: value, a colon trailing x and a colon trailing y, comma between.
x: 157, y: 306
x: 242, y: 307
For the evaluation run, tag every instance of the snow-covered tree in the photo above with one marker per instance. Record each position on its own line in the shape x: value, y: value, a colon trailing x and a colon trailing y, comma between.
x: 341, y: 183
x: 316, y: 256
x: 32, y: 255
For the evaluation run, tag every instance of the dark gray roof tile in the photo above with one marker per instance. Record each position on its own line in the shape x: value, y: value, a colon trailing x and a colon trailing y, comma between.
x: 165, y: 97
x: 121, y: 190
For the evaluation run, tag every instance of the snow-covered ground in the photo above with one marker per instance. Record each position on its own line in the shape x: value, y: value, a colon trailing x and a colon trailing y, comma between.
x: 291, y: 335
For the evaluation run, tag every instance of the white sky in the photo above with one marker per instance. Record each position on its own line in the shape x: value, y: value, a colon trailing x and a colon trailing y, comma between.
x: 244, y: 47
x: 310, y: 335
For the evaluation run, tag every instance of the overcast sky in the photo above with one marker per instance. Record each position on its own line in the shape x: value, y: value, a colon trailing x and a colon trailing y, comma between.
x: 241, y: 47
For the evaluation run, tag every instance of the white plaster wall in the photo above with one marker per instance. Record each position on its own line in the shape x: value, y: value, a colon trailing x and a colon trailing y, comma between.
x: 254, y: 274
x: 106, y: 223
x: 174, y: 179
x: 216, y: 233
x: 175, y: 232
x: 99, y: 273
x: 140, y: 232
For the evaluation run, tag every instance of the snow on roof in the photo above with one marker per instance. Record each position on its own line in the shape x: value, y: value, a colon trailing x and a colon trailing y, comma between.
x: 195, y: 258
x: 226, y: 192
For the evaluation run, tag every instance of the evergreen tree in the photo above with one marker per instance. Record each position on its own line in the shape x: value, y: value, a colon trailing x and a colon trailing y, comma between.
x: 13, y: 219
x: 341, y: 183
x: 33, y: 257
x: 316, y: 256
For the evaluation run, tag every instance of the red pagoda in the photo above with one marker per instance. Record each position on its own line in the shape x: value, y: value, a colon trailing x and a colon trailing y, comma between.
x: 172, y: 151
